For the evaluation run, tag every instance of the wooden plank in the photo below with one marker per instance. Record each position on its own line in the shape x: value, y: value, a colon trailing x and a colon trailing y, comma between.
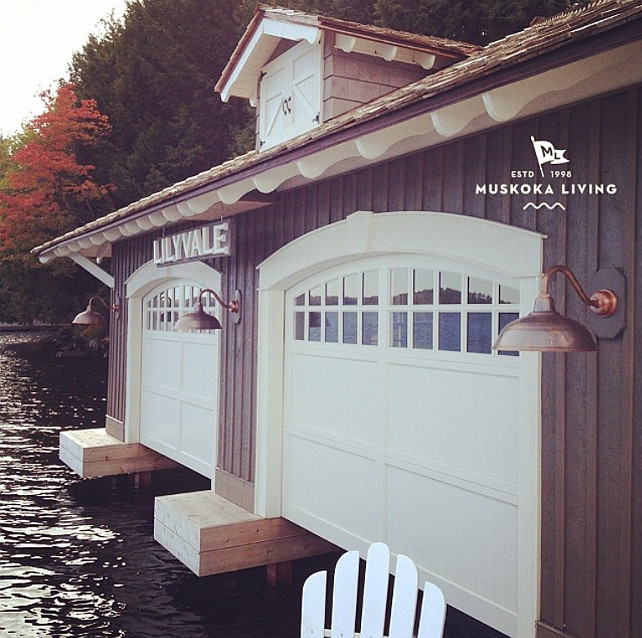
x: 187, y: 515
x: 211, y: 535
x: 92, y: 453
x: 176, y: 546
x: 255, y: 554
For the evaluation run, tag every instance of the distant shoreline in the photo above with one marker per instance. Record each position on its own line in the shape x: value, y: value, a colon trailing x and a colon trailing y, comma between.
x: 30, y: 328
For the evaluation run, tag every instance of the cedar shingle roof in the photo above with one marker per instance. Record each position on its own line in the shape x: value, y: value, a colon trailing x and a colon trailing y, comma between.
x: 542, y: 38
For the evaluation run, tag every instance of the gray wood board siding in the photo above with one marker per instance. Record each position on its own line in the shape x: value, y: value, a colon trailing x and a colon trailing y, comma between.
x: 591, y: 562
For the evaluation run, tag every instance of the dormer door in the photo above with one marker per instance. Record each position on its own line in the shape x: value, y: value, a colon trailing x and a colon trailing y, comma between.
x: 290, y: 94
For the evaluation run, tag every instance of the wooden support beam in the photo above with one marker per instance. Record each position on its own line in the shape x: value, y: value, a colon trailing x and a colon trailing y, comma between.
x: 211, y: 535
x: 92, y: 453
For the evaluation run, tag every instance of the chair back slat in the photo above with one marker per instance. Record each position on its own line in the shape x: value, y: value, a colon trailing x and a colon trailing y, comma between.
x: 404, y: 599
x: 433, y: 612
x: 375, y: 591
x: 344, y: 597
x: 375, y: 600
x: 313, y: 606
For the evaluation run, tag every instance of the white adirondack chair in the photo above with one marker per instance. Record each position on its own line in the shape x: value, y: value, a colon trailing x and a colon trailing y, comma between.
x: 375, y: 596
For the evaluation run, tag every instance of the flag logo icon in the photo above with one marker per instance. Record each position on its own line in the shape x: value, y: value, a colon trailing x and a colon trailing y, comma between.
x: 547, y: 154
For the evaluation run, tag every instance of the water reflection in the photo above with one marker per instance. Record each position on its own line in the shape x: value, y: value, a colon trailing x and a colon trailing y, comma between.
x: 77, y: 558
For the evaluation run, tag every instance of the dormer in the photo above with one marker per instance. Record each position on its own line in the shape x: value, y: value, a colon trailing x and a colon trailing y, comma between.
x: 301, y: 70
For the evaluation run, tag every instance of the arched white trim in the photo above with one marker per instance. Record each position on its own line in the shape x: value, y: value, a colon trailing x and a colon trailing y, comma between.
x: 504, y: 249
x: 148, y: 276
x: 491, y: 246
x: 141, y: 282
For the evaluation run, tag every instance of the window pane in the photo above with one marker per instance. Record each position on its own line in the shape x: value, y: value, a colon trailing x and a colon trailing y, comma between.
x: 449, y: 331
x: 399, y: 336
x: 480, y: 332
x: 399, y: 286
x: 300, y: 300
x: 423, y: 292
x: 332, y: 290
x: 370, y: 329
x: 449, y: 288
x: 508, y: 295
x: 422, y: 330
x: 480, y: 290
x: 371, y: 288
x: 504, y: 319
x: 314, y: 329
x: 351, y: 290
x: 349, y: 327
x: 332, y: 327
x: 315, y: 296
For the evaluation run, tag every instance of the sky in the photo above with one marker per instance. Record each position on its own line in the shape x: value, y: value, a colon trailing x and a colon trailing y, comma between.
x: 37, y: 41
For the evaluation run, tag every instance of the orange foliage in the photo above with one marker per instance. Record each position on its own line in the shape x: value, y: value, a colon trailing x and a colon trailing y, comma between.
x: 48, y: 191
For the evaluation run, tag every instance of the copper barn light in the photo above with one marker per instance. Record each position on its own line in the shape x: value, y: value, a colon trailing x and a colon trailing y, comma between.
x: 545, y: 330
x: 90, y: 317
x: 200, y: 320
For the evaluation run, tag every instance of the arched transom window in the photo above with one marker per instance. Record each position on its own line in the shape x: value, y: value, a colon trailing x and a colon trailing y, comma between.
x: 402, y: 307
x: 165, y: 306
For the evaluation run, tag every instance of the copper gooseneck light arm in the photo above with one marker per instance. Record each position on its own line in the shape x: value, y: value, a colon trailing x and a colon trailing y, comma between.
x: 90, y: 316
x: 200, y: 320
x: 602, y: 303
x: 233, y: 306
x: 545, y: 330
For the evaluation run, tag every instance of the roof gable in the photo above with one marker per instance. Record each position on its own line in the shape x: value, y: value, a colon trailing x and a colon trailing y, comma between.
x: 272, y: 25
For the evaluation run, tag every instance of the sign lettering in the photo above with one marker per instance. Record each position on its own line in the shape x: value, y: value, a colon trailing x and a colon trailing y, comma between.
x: 196, y: 243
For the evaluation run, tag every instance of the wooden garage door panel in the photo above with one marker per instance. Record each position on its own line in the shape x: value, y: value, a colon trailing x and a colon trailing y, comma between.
x: 470, y: 538
x: 179, y: 380
x: 327, y: 407
x: 401, y: 423
x: 315, y: 487
x: 466, y: 420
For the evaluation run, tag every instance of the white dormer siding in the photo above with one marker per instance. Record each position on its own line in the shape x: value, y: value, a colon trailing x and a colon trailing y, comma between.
x: 290, y: 94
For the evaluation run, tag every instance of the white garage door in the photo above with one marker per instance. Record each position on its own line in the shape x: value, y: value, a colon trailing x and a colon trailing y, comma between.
x: 401, y: 424
x: 179, y: 380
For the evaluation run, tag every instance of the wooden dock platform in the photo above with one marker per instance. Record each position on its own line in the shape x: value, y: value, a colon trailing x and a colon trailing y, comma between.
x: 92, y: 453
x: 211, y: 535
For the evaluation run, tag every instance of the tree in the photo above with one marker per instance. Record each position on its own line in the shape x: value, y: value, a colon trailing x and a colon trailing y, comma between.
x: 476, y: 22
x: 45, y: 191
x: 153, y: 74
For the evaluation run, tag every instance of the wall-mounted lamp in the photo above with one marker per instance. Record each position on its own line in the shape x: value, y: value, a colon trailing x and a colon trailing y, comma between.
x: 91, y: 317
x: 200, y: 320
x: 545, y: 330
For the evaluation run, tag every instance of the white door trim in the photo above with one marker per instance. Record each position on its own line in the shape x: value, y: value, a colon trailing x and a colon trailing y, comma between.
x: 501, y: 248
x: 139, y: 283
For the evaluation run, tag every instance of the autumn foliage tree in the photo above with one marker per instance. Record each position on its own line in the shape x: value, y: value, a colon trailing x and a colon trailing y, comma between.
x: 44, y: 192
x: 47, y: 191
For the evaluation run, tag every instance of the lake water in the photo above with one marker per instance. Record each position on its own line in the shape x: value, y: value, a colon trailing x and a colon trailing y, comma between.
x: 78, y: 558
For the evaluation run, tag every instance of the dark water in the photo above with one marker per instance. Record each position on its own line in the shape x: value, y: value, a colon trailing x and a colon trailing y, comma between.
x: 77, y: 557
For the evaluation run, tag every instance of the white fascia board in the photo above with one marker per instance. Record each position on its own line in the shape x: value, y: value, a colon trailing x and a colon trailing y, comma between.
x: 243, y: 80
x: 584, y: 79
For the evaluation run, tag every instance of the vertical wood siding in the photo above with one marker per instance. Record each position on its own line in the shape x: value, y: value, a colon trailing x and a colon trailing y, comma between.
x: 591, y: 569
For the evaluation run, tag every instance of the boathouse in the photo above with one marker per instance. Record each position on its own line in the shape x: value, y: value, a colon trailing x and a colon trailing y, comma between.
x: 405, y: 195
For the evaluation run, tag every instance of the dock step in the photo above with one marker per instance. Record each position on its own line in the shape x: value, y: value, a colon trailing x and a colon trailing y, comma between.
x: 211, y: 535
x: 92, y: 453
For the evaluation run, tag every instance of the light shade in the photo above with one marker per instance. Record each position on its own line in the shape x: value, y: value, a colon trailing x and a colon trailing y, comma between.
x: 545, y: 330
x: 198, y: 320
x: 89, y: 317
